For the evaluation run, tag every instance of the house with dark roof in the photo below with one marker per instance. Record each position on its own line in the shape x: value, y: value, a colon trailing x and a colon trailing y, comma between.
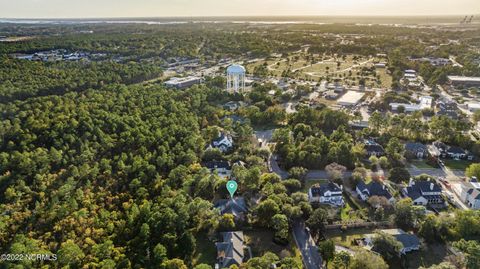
x: 470, y: 193
x: 231, y: 250
x: 447, y: 108
x: 373, y: 188
x: 236, y: 206
x: 233, y: 105
x: 326, y: 193
x: 415, y: 150
x: 410, y: 242
x: 373, y: 148
x: 440, y: 149
x: 456, y: 153
x: 223, y: 142
x: 223, y: 168
x: 424, y: 193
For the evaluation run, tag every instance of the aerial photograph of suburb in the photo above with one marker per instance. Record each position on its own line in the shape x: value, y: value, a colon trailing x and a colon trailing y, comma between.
x: 240, y: 134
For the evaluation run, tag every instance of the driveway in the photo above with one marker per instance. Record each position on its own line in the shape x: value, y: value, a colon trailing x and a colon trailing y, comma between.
x: 310, y: 255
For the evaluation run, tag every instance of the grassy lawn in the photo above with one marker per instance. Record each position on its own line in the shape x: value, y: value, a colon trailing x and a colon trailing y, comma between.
x: 422, y: 164
x: 314, y: 71
x: 261, y: 241
x: 346, y: 213
x: 205, y: 251
x: 310, y: 183
x: 346, y: 238
x: 350, y: 211
x: 457, y: 165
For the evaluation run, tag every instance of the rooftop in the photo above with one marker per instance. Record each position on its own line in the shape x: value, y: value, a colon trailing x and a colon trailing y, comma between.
x: 320, y: 190
x: 236, y: 206
x: 374, y: 189
x: 464, y: 79
x: 236, y: 69
x: 351, y: 97
x: 230, y: 251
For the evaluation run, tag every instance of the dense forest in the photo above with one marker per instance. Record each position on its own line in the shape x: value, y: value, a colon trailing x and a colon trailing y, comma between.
x: 98, y: 176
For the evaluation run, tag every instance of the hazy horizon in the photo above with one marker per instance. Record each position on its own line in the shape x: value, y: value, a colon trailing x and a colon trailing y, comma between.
x: 88, y: 9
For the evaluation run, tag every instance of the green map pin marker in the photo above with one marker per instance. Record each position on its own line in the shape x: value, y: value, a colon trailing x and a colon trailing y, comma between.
x: 232, y: 187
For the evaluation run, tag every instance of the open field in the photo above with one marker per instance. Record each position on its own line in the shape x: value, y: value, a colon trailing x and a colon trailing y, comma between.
x: 457, y: 165
x: 261, y: 241
x: 347, y: 69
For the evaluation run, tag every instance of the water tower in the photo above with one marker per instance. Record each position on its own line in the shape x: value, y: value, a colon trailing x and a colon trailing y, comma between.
x: 235, y: 78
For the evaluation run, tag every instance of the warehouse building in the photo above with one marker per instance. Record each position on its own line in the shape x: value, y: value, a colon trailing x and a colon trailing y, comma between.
x: 182, y: 83
x: 351, y: 98
x: 464, y: 81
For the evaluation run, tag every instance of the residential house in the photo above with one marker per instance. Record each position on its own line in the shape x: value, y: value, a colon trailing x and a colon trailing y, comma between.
x: 447, y: 108
x: 416, y: 150
x: 373, y: 148
x: 470, y: 194
x: 236, y: 206
x: 223, y: 142
x: 231, y: 250
x: 373, y: 188
x: 234, y: 119
x: 223, y: 168
x: 424, y: 193
x: 456, y: 153
x: 232, y: 105
x: 326, y: 193
x: 440, y: 149
x: 410, y: 242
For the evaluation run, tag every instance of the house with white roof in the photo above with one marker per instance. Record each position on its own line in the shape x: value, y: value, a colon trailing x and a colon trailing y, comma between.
x: 223, y: 142
x: 326, y: 193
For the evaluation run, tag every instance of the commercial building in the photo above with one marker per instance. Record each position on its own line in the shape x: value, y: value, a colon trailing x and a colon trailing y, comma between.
x: 424, y: 102
x: 433, y: 61
x: 464, y: 81
x: 182, y: 83
x: 473, y: 106
x: 351, y: 98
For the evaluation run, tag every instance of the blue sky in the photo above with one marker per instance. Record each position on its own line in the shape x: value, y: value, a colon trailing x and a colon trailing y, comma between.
x: 171, y: 8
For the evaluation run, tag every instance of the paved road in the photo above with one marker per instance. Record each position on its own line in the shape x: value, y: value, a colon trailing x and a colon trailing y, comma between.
x: 310, y: 255
x: 274, y: 168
